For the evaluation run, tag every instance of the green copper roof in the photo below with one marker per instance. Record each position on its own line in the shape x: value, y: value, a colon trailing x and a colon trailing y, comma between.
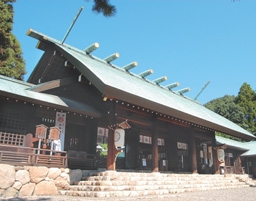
x: 252, y: 148
x: 18, y: 89
x: 231, y: 143
x: 249, y: 148
x: 117, y: 83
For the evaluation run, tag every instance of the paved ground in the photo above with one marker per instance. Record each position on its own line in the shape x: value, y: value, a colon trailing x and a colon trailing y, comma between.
x: 240, y: 194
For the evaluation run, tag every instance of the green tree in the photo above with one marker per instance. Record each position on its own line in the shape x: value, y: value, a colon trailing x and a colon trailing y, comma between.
x: 246, y: 99
x: 227, y: 108
x: 12, y: 63
x: 104, y: 7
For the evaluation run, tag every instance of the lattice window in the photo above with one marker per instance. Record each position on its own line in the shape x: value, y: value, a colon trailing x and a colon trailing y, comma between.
x: 11, y: 139
x: 12, y: 122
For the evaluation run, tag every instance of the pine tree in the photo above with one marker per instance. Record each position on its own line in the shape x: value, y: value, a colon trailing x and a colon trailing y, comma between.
x: 104, y: 7
x: 12, y: 63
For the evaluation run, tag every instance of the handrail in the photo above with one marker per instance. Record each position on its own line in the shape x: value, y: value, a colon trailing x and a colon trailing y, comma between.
x: 30, y: 148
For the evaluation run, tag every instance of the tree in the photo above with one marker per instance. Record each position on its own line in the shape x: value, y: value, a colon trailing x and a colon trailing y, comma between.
x: 227, y: 108
x: 246, y: 99
x: 240, y: 109
x: 12, y: 63
x: 104, y: 7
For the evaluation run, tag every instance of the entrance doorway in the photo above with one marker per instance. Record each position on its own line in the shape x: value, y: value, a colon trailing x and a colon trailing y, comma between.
x: 183, y: 160
x: 204, y: 155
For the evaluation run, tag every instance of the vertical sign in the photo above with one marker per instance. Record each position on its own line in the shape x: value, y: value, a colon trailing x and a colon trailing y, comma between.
x: 61, y: 124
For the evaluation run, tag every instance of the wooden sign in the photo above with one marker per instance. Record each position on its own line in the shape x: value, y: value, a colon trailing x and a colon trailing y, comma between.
x: 54, y: 133
x: 41, y: 131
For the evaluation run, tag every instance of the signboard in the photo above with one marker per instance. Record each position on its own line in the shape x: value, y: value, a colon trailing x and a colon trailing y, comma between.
x: 181, y: 145
x: 54, y: 133
x: 41, y: 131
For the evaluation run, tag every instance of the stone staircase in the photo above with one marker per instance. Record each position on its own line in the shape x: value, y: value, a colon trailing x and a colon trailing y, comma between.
x: 120, y: 184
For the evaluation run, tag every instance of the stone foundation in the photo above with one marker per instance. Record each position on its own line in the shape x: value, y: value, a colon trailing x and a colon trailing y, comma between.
x: 23, y: 181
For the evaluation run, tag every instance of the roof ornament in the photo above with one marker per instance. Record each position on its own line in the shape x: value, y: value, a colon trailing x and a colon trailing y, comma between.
x: 130, y: 66
x: 72, y: 24
x: 91, y: 48
x: 170, y: 86
x: 146, y: 73
x: 111, y: 57
x: 159, y: 80
x: 182, y: 91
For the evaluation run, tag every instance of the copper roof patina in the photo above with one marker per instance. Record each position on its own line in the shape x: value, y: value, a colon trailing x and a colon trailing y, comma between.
x: 117, y: 83
x: 18, y: 89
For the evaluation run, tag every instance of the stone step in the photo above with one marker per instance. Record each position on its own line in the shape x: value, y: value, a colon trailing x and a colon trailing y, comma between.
x: 156, y: 182
x: 148, y: 175
x: 125, y: 193
x: 153, y: 178
x: 150, y: 187
x: 119, y: 184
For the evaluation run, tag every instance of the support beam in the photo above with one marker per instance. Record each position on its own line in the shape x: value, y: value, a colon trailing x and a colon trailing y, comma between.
x: 111, y: 151
x: 52, y: 84
x: 155, y: 165
x: 193, y: 153
x: 111, y: 139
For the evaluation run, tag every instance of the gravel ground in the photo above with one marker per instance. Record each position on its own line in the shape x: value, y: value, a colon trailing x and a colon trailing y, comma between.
x: 239, y: 194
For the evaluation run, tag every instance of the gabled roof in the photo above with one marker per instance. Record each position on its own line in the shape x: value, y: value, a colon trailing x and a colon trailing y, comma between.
x: 116, y: 83
x: 21, y: 90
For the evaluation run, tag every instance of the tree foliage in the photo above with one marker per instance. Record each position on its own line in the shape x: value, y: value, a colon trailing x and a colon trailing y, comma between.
x: 12, y: 63
x: 104, y: 7
x: 240, y: 109
x: 227, y: 108
x: 246, y: 99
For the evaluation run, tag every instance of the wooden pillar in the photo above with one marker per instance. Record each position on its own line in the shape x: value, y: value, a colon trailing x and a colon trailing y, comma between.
x: 155, y: 164
x: 216, y: 163
x: 111, y: 151
x: 193, y: 154
x: 111, y: 140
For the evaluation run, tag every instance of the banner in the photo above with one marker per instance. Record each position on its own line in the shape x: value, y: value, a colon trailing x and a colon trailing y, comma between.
x: 221, y: 155
x: 119, y: 137
x: 60, y: 122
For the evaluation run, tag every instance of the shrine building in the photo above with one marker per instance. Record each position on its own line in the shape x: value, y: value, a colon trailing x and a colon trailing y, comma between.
x: 89, y: 98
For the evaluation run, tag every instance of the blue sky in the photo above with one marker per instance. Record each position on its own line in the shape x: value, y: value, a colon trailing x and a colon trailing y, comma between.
x: 189, y: 41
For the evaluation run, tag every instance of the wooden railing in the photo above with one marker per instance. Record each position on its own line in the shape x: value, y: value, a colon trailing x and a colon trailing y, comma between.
x: 16, y: 155
x: 16, y: 149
